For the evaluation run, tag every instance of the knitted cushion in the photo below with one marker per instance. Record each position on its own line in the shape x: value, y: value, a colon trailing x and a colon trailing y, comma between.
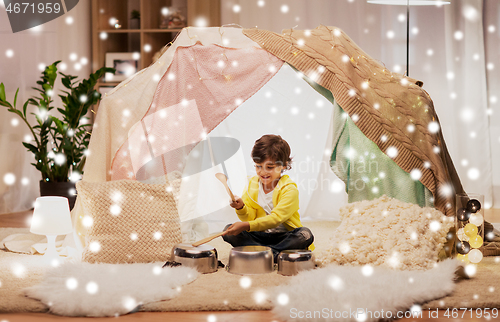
x: 128, y: 221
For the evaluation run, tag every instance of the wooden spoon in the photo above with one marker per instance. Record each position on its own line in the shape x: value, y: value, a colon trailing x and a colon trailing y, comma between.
x: 206, y: 240
x: 222, y: 178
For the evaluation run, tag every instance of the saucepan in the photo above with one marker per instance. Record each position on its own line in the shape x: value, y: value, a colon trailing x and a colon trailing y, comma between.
x: 203, y: 258
x: 250, y: 260
x: 290, y: 262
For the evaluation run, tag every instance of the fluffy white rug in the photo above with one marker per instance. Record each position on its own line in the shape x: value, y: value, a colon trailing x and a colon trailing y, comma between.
x: 347, y: 293
x: 83, y: 289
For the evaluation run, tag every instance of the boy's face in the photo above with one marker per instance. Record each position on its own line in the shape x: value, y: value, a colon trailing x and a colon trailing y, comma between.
x: 268, y: 171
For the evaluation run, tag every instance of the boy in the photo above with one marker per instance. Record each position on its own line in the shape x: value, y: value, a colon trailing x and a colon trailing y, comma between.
x: 269, y: 207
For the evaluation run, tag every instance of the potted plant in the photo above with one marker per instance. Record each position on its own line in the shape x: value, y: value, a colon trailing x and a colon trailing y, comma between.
x: 59, y: 145
x: 135, y: 19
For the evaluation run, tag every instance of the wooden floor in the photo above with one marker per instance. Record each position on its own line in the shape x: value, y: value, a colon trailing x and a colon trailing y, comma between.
x: 22, y: 219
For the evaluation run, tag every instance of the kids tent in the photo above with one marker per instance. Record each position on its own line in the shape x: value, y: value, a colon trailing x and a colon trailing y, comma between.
x: 356, y: 130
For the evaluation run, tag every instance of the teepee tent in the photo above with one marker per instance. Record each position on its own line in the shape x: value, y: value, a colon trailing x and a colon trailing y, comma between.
x: 200, y: 107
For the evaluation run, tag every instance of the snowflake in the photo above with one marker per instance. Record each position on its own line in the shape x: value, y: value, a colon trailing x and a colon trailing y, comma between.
x: 115, y: 209
x: 392, y: 152
x: 473, y: 173
x: 129, y: 303
x: 433, y: 127
x: 259, y: 296
x: 367, y: 270
x: 71, y: 283
x: 92, y: 287
x: 434, y: 226
x: 458, y: 35
x: 470, y: 270
x: 87, y: 221
x: 94, y: 246
x: 344, y: 248
x: 18, y: 270
x: 336, y: 283
x: 9, y: 178
x: 470, y: 13
x: 416, y: 174
x: 245, y: 282
x: 283, y: 299
x: 60, y: 159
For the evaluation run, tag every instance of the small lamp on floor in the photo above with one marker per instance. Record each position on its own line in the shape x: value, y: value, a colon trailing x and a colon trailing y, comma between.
x: 51, y: 217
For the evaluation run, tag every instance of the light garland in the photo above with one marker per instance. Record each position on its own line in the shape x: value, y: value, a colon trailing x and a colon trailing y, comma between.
x: 469, y: 223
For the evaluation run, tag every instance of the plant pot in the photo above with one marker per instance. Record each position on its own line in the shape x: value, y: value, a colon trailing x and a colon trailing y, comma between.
x: 61, y: 189
x: 135, y: 23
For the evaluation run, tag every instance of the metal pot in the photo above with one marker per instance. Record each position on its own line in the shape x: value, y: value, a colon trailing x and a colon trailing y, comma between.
x: 250, y: 260
x: 203, y: 257
x: 290, y: 262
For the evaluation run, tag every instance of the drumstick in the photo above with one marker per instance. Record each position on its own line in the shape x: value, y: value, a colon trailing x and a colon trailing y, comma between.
x: 222, y: 178
x: 206, y: 240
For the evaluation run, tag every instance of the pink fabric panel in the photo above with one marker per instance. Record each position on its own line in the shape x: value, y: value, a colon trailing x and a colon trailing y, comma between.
x: 202, y: 86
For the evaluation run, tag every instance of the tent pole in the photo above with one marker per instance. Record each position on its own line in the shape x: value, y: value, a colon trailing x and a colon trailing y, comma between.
x: 407, y: 38
x: 211, y: 152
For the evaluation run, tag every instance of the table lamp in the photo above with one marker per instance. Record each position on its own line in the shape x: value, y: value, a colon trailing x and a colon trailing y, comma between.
x: 409, y: 3
x: 51, y: 217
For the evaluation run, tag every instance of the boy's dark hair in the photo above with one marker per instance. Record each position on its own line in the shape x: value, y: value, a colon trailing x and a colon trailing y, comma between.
x: 274, y: 148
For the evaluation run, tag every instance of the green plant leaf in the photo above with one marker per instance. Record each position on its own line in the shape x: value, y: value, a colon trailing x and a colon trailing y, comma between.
x: 24, y: 108
x: 6, y: 104
x: 59, y: 124
x: 15, y: 98
x: 2, y: 92
x: 31, y: 147
x: 13, y: 110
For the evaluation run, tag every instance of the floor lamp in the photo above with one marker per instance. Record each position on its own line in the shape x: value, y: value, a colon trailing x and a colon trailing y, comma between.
x: 409, y: 3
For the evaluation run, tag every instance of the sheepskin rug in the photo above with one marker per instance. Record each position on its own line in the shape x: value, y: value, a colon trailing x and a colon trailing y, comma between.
x: 387, y: 232
x: 84, y: 289
x: 367, y: 293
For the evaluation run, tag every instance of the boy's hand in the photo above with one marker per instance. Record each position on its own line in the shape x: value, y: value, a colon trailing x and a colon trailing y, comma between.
x: 237, y: 228
x: 238, y: 203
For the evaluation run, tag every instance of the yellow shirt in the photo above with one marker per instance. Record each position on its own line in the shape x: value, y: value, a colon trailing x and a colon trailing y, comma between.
x: 285, y: 211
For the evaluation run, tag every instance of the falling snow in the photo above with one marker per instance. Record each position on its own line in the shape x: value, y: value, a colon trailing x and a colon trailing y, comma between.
x: 283, y: 299
x: 245, y: 282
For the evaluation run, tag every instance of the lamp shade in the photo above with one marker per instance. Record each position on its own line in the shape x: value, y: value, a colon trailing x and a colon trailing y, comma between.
x: 411, y: 2
x: 51, y: 216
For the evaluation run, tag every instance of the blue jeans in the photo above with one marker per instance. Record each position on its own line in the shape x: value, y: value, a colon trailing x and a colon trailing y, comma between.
x: 299, y: 238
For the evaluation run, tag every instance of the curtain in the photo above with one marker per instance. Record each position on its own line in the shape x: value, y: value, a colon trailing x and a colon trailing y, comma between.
x: 491, y: 31
x: 454, y: 50
x: 23, y: 56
